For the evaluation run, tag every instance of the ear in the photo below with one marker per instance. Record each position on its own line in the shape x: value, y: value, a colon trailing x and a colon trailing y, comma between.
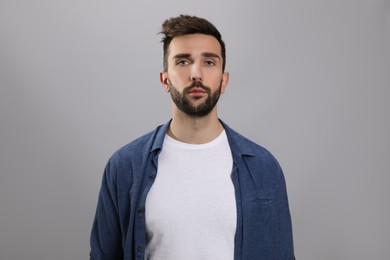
x: 164, y: 81
x: 225, y: 81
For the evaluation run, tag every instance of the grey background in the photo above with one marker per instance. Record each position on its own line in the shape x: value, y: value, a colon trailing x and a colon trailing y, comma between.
x: 309, y: 81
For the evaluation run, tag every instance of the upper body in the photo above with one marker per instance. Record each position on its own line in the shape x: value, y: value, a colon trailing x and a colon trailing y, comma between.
x: 195, y: 77
x: 263, y: 220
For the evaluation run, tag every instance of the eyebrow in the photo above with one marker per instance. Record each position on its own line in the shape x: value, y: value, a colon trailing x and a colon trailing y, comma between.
x: 203, y: 54
x: 210, y: 55
x: 181, y: 56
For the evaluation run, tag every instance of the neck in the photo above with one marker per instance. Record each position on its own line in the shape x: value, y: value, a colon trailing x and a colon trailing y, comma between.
x: 195, y: 130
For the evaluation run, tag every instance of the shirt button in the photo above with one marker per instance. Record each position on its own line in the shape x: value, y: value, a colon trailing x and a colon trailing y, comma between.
x: 141, y: 210
x: 152, y: 175
x: 140, y: 249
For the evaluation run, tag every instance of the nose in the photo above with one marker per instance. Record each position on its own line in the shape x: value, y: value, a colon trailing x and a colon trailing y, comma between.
x: 196, y: 74
x: 196, y: 78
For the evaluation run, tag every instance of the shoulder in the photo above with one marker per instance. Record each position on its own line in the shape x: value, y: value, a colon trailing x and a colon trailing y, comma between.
x: 257, y: 164
x: 135, y: 147
x: 245, y: 146
x: 137, y: 151
x: 255, y: 155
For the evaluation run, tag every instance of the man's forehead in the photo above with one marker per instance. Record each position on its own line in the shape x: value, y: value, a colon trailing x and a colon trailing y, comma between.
x: 194, y: 44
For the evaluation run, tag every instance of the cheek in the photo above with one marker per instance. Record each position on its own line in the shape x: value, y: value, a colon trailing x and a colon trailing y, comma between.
x: 179, y: 77
x: 215, y: 80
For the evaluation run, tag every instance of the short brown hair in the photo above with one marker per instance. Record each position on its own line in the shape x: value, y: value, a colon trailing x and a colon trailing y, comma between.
x: 186, y: 24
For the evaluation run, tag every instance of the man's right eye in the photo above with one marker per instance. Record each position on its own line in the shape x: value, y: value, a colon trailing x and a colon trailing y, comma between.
x: 182, y: 62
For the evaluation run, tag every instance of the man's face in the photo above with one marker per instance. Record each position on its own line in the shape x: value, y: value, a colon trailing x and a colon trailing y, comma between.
x: 195, y: 78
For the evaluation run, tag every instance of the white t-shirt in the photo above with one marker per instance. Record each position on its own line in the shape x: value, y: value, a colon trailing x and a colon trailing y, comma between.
x: 191, y: 209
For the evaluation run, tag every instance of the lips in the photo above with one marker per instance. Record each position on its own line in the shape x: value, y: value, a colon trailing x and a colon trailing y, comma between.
x: 196, y: 91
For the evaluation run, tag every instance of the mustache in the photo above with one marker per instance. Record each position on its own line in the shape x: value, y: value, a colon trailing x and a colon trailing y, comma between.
x: 197, y: 84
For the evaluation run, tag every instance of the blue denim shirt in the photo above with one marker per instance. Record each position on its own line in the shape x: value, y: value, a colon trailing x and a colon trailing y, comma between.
x: 263, y: 217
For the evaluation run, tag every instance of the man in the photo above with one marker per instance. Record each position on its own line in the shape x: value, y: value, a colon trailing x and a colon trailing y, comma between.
x: 192, y: 188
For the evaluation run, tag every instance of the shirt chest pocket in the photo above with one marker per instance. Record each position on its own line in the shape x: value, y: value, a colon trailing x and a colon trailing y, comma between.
x: 260, y: 226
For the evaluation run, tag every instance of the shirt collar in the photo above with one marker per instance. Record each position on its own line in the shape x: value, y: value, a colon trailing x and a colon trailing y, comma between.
x: 239, y: 145
x: 160, y: 133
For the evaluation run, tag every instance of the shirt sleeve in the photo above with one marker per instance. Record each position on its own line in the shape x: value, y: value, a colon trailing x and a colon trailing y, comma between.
x: 105, y: 238
x: 286, y: 246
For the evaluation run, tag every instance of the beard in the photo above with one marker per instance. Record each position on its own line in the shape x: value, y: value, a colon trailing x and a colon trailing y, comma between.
x: 184, y: 103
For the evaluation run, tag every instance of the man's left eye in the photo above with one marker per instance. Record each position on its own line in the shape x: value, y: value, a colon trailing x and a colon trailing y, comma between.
x: 210, y: 63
